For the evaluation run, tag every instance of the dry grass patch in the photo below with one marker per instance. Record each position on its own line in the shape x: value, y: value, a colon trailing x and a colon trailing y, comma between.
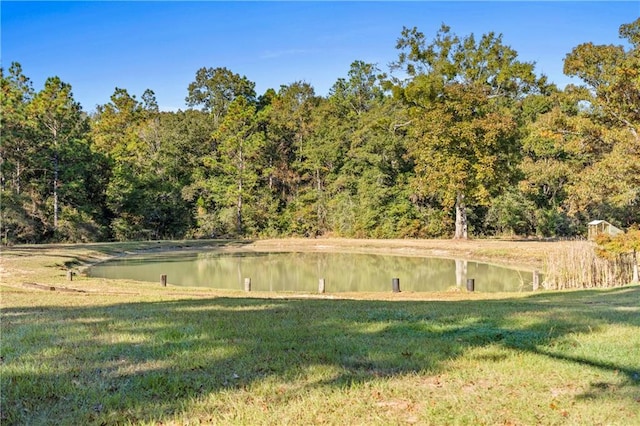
x: 575, y: 264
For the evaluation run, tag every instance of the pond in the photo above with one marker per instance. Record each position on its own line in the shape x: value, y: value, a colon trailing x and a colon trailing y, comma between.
x: 301, y: 272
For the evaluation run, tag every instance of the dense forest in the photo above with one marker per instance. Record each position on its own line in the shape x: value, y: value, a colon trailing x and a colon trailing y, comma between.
x: 457, y: 138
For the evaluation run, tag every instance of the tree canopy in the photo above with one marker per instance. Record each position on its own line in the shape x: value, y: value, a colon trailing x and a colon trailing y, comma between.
x: 458, y: 137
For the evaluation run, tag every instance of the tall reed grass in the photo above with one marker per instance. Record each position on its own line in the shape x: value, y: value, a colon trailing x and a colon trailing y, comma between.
x: 575, y: 264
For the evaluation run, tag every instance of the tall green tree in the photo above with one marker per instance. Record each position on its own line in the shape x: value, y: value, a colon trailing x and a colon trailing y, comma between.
x: 553, y: 156
x: 115, y: 124
x: 148, y: 166
x: 293, y: 172
x: 59, y: 122
x: 52, y: 180
x: 214, y: 89
x: 16, y: 148
x: 462, y: 96
x: 368, y: 190
x: 609, y: 185
x: 116, y: 129
x: 18, y: 151
x: 239, y: 157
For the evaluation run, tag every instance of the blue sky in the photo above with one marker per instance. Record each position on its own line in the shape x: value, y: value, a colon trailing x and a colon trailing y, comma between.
x: 98, y: 46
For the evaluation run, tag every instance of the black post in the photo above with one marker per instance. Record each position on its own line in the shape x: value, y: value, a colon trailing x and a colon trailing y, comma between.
x: 395, y: 284
x: 163, y: 280
x: 471, y: 284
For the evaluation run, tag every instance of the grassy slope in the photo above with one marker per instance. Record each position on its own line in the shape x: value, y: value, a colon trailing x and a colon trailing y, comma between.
x: 133, y: 352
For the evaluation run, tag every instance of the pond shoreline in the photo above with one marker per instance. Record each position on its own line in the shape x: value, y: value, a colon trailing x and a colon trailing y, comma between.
x: 527, y: 254
x: 300, y: 270
x: 35, y: 263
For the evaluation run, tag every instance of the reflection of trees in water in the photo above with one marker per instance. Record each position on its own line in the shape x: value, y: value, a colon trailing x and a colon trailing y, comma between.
x: 342, y: 272
x: 495, y: 278
x: 461, y: 272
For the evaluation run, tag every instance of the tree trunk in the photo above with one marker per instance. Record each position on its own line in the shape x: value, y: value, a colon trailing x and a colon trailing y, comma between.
x: 55, y: 179
x: 461, y: 218
x: 18, y: 172
x: 55, y: 193
x: 636, y: 278
x: 320, y: 208
x: 271, y: 174
x: 240, y: 188
x: 461, y: 272
x: 239, y: 209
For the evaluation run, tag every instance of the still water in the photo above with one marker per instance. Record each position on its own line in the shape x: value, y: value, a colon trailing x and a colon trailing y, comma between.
x: 301, y: 272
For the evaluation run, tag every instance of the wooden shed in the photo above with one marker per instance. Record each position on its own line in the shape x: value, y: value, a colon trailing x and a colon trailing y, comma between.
x: 597, y: 227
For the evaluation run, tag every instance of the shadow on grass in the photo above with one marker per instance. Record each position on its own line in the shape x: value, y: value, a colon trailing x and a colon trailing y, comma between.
x: 141, y: 361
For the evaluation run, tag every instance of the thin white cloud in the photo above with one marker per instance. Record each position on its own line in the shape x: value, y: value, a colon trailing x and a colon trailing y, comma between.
x: 272, y: 54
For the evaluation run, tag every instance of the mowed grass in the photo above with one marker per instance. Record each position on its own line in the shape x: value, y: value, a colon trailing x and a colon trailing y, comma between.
x: 143, y: 354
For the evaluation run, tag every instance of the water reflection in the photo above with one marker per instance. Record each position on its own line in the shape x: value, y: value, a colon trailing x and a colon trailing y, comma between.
x: 301, y: 272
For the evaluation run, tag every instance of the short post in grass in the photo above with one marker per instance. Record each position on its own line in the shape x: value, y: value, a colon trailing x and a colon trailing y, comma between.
x: 321, y: 285
x: 247, y: 284
x: 471, y: 284
x: 536, y: 280
x: 70, y: 275
x: 395, y: 285
x: 163, y: 280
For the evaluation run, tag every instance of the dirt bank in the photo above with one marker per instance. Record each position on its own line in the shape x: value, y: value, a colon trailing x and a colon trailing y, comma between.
x: 529, y: 254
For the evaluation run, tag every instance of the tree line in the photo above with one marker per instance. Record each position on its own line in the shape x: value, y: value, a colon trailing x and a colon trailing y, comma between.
x: 457, y: 137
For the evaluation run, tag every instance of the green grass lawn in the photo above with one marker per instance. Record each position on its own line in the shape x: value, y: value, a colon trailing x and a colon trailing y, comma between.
x: 549, y: 358
x: 125, y: 352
